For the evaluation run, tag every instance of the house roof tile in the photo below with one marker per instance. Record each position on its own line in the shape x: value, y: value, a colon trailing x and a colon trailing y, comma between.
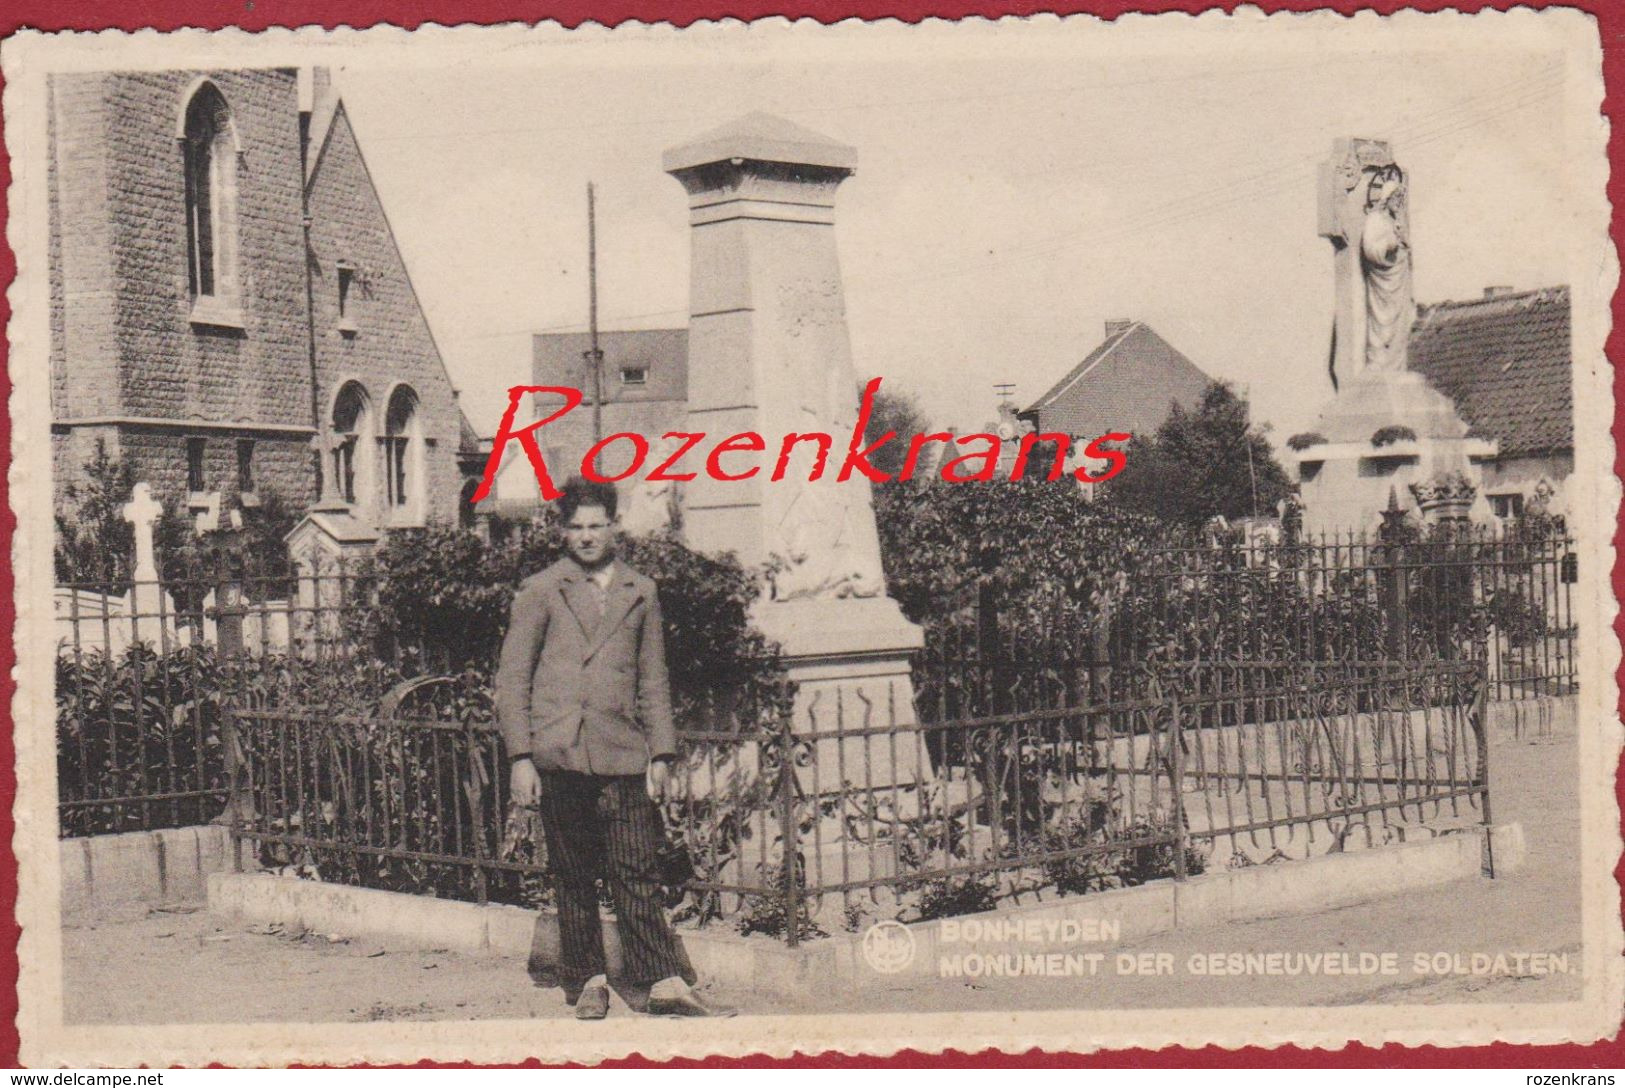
x: 1505, y: 361
x: 1126, y: 384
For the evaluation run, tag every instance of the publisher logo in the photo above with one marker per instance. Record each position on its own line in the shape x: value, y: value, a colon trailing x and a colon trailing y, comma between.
x: 889, y: 947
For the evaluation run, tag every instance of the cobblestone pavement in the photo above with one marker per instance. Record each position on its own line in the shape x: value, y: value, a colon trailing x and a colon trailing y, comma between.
x: 182, y: 965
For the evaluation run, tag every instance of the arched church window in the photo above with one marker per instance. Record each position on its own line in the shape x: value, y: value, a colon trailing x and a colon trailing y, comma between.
x: 349, y: 450
x: 209, y: 145
x: 402, y: 444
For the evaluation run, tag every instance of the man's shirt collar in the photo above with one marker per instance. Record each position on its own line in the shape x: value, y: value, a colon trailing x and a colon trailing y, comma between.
x: 617, y: 572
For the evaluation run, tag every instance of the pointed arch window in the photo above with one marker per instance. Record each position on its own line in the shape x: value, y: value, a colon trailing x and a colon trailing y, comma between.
x: 351, y: 451
x: 209, y: 146
x: 402, y: 444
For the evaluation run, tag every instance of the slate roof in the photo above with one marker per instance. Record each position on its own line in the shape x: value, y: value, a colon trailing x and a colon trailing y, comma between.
x: 1506, y: 362
x: 468, y: 439
x: 1127, y: 384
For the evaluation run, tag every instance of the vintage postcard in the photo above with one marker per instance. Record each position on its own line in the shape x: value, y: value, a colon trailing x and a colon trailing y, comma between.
x: 772, y: 538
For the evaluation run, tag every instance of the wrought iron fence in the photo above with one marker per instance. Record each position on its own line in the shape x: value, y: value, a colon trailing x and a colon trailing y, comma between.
x: 144, y: 678
x: 853, y: 809
x: 1209, y: 764
x: 139, y: 698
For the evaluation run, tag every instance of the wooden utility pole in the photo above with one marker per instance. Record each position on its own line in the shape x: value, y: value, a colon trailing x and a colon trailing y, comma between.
x: 594, y: 356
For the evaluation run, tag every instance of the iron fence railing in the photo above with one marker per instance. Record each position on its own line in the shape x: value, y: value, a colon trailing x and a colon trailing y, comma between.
x: 1209, y: 764
x: 139, y: 701
x: 852, y: 808
x: 144, y: 676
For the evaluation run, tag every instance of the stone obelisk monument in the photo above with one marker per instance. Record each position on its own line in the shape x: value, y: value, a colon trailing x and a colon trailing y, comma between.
x: 769, y: 353
x: 1386, y: 431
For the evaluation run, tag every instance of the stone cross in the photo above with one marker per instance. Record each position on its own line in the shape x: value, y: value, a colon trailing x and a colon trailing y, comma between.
x: 1341, y: 220
x: 142, y: 511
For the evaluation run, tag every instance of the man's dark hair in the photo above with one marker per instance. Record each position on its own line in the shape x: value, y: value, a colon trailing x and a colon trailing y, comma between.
x: 578, y: 492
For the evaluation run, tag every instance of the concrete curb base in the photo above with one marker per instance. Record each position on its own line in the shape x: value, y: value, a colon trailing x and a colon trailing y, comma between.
x: 763, y: 964
x: 168, y: 866
x: 1536, y: 716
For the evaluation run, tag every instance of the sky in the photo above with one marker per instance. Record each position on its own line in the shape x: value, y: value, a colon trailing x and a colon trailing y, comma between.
x: 1017, y: 186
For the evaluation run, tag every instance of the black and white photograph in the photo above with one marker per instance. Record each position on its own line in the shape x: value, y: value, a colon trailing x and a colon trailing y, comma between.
x: 769, y: 538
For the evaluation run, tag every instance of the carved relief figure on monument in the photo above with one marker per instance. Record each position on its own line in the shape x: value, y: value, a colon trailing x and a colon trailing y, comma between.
x: 819, y: 542
x: 826, y: 544
x: 1385, y: 259
x: 819, y: 552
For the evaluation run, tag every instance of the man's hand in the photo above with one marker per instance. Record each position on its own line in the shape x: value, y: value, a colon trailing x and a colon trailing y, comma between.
x: 657, y: 778
x: 524, y: 784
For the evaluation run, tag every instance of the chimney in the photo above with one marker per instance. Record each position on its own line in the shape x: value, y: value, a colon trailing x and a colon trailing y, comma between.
x: 1117, y: 325
x: 1499, y: 291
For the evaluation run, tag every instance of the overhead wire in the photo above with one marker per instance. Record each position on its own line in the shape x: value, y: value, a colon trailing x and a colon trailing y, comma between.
x: 1435, y: 125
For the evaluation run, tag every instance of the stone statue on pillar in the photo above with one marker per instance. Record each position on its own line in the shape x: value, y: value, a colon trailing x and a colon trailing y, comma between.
x: 1347, y: 474
x: 1385, y: 256
x: 1364, y: 213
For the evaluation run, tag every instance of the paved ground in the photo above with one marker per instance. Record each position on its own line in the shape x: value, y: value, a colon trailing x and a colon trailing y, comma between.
x: 183, y: 965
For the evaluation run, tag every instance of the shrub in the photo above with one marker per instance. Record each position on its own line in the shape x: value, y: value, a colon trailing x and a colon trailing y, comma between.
x: 1302, y: 441
x: 765, y: 913
x: 1209, y: 462
x: 1156, y: 861
x: 1387, y: 436
x: 893, y: 409
x: 951, y: 896
x: 135, y: 724
x: 1090, y: 872
x: 1035, y: 543
x: 440, y: 599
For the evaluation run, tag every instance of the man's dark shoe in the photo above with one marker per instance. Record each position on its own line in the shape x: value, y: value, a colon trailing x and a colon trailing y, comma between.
x: 593, y: 1004
x: 689, y: 1004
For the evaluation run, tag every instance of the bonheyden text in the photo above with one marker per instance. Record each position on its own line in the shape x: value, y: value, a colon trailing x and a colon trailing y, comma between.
x: 731, y: 458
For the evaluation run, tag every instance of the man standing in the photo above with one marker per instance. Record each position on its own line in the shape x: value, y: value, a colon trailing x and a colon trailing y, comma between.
x: 585, y: 710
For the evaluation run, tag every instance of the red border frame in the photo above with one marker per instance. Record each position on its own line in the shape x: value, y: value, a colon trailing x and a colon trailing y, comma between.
x: 49, y: 15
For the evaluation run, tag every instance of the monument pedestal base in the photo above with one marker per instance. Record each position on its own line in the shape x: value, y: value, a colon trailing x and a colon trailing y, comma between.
x: 849, y: 658
x: 1346, y: 480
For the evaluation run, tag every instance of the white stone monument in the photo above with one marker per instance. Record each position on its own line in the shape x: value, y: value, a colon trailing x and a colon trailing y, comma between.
x: 769, y: 353
x: 1386, y: 429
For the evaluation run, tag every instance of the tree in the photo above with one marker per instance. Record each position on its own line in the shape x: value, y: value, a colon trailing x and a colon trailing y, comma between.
x: 893, y: 410
x: 1034, y: 541
x: 1202, y: 464
x: 95, y: 546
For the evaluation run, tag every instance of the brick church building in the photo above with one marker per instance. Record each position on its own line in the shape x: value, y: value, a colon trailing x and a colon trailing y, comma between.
x: 228, y: 304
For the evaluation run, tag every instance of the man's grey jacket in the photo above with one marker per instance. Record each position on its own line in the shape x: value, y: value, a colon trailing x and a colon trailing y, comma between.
x: 580, y: 691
